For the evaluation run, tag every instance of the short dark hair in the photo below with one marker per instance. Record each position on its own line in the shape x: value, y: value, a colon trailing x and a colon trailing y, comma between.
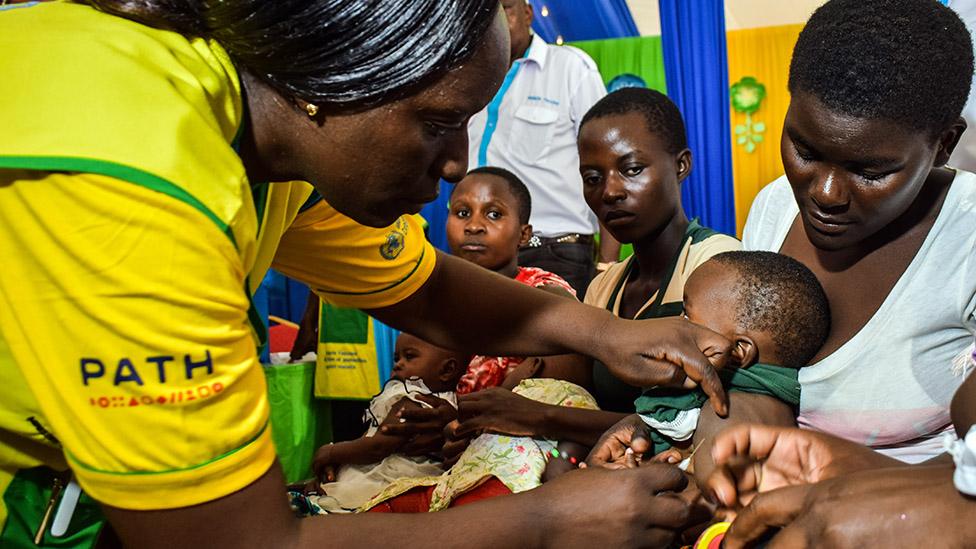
x: 340, y: 54
x: 515, y: 186
x: 778, y: 295
x: 907, y: 61
x: 661, y: 114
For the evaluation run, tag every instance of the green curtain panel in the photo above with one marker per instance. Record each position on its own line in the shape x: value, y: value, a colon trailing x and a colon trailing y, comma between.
x: 641, y: 56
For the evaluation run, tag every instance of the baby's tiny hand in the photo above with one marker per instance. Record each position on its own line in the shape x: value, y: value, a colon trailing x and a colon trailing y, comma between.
x: 671, y: 455
x: 322, y: 464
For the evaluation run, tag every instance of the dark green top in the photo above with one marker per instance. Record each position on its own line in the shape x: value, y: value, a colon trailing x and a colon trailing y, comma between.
x: 765, y: 379
x: 611, y: 393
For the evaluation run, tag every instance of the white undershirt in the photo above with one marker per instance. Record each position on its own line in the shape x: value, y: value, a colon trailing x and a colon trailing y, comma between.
x: 889, y: 386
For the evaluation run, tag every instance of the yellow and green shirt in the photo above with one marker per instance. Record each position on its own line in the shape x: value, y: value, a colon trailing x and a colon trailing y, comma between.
x: 131, y: 239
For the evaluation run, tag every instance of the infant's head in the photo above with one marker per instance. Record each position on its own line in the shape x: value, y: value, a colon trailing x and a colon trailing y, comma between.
x: 440, y: 369
x: 769, y: 305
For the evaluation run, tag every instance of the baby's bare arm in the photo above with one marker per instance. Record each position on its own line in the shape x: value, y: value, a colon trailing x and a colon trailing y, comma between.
x: 743, y: 408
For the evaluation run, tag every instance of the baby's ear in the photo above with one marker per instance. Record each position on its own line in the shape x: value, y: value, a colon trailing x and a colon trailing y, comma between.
x: 744, y: 350
x: 449, y: 369
x: 525, y: 234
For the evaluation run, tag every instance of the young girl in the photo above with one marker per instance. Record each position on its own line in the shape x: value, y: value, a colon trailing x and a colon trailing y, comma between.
x: 354, y: 471
x: 488, y: 222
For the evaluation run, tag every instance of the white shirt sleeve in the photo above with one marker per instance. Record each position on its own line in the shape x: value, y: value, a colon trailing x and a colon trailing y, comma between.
x: 963, y: 452
x: 589, y: 90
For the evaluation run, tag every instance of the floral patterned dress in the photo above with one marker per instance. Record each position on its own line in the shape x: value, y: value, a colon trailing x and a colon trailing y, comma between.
x: 518, y: 462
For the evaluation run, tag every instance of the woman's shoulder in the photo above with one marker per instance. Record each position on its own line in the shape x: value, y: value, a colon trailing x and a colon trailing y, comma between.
x: 772, y: 209
x: 701, y: 251
x: 598, y: 292
x: 956, y: 222
x: 964, y: 190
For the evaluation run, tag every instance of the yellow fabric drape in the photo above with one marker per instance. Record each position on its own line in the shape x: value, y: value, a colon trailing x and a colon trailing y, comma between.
x: 763, y: 53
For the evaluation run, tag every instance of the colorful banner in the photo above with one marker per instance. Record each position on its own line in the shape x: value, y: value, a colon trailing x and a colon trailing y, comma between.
x: 764, y: 55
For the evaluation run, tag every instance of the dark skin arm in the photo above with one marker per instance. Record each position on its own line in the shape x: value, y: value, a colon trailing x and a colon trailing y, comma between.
x: 792, y: 456
x: 743, y: 408
x: 359, y: 451
x: 363, y: 450
x: 824, y: 491
x: 258, y: 516
x: 573, y: 368
x: 308, y: 333
x: 502, y: 411
x: 532, y: 323
x: 899, y: 507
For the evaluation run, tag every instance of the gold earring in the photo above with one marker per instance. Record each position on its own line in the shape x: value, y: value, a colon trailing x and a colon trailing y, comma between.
x: 311, y: 109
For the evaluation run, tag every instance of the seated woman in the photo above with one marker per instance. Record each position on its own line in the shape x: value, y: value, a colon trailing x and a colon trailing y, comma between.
x: 869, y: 205
x: 633, y: 158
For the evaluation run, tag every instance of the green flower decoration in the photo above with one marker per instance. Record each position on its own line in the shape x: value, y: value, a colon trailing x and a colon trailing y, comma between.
x: 746, y: 95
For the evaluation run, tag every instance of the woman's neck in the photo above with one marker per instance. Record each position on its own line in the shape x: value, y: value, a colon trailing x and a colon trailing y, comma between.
x: 653, y: 254
x: 264, y: 144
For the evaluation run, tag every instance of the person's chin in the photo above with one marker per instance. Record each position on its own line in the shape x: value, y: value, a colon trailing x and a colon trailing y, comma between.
x: 378, y: 217
x: 477, y: 257
x: 830, y: 241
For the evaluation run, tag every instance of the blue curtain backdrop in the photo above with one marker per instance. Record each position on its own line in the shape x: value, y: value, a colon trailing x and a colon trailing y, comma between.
x: 697, y: 74
x: 583, y: 19
x: 436, y: 215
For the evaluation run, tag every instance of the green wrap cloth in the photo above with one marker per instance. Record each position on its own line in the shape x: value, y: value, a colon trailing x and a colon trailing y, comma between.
x: 664, y: 404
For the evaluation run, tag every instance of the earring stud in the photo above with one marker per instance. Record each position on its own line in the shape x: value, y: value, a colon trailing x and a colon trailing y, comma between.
x: 311, y: 109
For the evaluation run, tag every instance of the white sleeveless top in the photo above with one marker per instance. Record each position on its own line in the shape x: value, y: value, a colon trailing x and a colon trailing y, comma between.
x: 889, y: 387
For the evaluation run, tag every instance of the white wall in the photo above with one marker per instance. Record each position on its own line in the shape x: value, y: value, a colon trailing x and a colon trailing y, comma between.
x: 739, y: 14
